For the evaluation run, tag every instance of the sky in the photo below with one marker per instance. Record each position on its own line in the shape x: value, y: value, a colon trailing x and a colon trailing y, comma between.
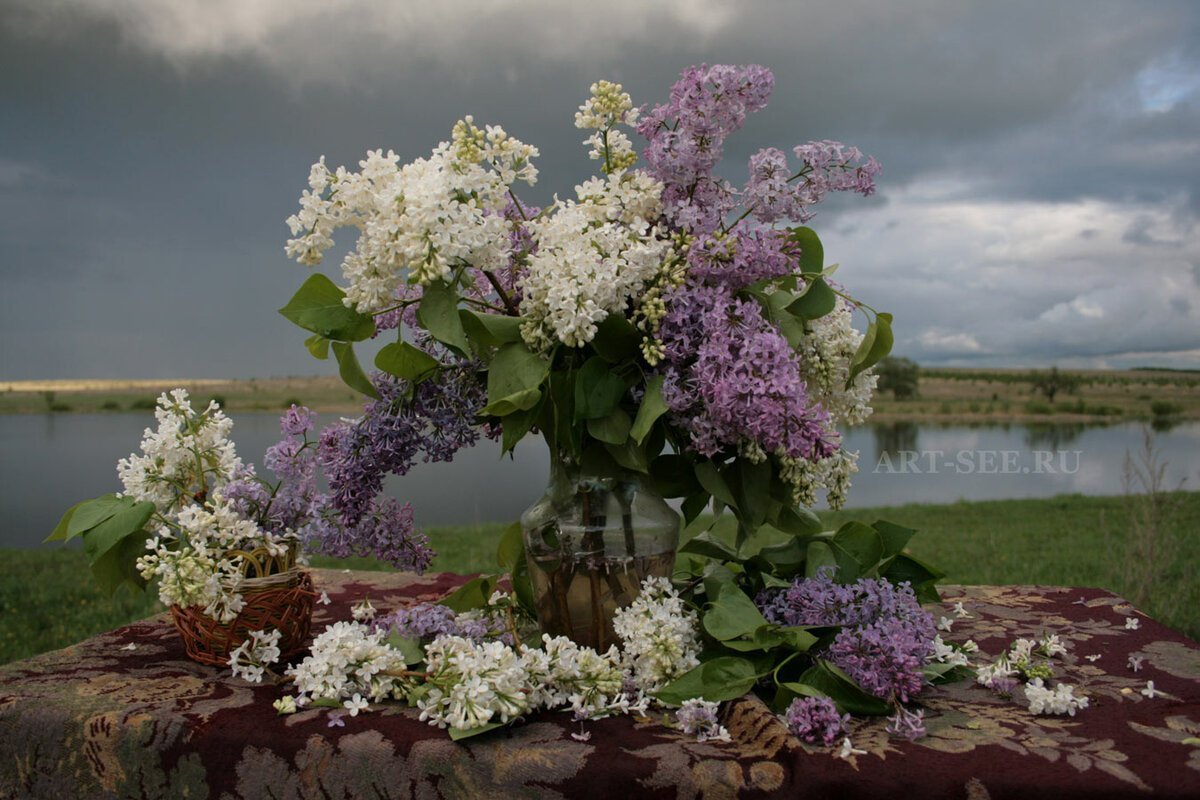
x: 1038, y: 203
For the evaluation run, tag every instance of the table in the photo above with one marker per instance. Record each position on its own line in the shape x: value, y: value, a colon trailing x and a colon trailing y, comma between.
x: 125, y: 714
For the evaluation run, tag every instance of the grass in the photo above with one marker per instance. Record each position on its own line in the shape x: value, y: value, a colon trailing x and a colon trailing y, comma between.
x: 944, y: 395
x: 47, y: 600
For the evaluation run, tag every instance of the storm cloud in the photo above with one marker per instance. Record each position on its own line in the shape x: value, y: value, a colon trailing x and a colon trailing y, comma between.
x: 1038, y: 204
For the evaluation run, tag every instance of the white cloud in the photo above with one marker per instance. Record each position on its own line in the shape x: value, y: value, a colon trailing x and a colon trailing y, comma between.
x: 1038, y: 281
x: 316, y: 38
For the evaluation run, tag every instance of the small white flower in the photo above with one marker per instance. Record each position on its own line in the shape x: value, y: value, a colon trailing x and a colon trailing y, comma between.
x: 363, y: 611
x: 1135, y: 662
x: 131, y: 646
x: 1150, y: 691
x: 285, y: 705
x: 960, y: 611
x: 356, y: 704
x: 324, y: 599
x: 849, y: 749
x: 1059, y: 700
x: 1093, y: 658
x: 582, y: 736
x: 1051, y: 646
x: 944, y: 624
x: 1132, y: 623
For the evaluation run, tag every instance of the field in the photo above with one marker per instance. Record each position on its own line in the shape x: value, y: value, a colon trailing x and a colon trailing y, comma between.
x: 944, y: 395
x: 48, y: 601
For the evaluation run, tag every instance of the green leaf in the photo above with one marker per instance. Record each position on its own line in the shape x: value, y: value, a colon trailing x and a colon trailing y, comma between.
x: 613, y: 429
x: 490, y: 330
x: 471, y: 595
x: 816, y: 302
x: 653, y: 406
x: 598, y: 389
x: 113, y: 559
x: 630, y: 456
x: 517, y: 424
x: 858, y: 549
x: 722, y: 678
x: 837, y: 685
x: 785, y: 559
x: 409, y: 646
x: 820, y: 555
x: 711, y: 479
x: 350, y: 370
x: 128, y: 521
x: 708, y: 545
x: 458, y: 734
x: 798, y: 638
x: 674, y: 476
x: 318, y: 345
x: 59, y: 534
x: 616, y: 338
x: 318, y: 307
x: 792, y: 328
x: 894, y: 537
x: 812, y: 254
x: 511, y: 550
x: 922, y: 576
x: 693, y: 506
x: 797, y: 521
x: 513, y: 380
x: 405, y: 361
x: 91, y: 513
x: 732, y: 615
x: 876, y: 343
x: 438, y: 314
x: 751, y: 486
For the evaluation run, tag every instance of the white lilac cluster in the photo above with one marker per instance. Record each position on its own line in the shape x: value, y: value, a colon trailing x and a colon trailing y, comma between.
x: 953, y: 653
x: 469, y: 684
x: 1019, y: 662
x: 419, y: 222
x: 465, y: 683
x: 825, y: 355
x: 1059, y: 700
x: 252, y: 657
x: 658, y: 633
x: 609, y: 105
x: 585, y: 269
x: 699, y: 718
x: 182, y: 469
x: 350, y: 659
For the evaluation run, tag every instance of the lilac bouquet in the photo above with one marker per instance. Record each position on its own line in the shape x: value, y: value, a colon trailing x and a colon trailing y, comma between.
x: 661, y: 321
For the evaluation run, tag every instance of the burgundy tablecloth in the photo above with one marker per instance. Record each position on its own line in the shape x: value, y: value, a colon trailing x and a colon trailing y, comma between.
x: 103, y: 719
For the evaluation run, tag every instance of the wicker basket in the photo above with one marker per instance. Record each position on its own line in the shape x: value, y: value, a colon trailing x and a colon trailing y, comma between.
x: 278, y: 595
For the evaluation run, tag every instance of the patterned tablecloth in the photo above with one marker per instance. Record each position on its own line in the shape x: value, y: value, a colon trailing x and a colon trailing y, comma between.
x: 125, y: 714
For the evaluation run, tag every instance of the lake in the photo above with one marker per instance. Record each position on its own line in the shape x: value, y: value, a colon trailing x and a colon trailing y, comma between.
x: 52, y: 461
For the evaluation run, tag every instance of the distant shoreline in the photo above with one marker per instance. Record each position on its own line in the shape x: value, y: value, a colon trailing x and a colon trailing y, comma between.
x: 967, y: 396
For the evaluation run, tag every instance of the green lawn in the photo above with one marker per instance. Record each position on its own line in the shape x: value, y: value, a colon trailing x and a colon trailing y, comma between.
x: 47, y: 599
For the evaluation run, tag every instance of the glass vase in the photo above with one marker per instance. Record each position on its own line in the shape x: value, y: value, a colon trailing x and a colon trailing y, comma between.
x: 590, y: 541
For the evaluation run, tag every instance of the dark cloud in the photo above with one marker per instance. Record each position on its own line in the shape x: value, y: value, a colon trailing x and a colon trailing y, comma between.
x: 1040, y: 192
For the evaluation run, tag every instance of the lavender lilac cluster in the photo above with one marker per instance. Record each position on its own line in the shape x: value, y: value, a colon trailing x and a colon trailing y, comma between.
x: 437, y: 420
x: 730, y: 376
x: 885, y: 637
x: 816, y: 719
x: 428, y: 621
x: 732, y: 379
x: 380, y: 527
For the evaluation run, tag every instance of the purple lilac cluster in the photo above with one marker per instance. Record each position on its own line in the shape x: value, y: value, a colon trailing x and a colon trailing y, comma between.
x: 731, y: 378
x: 686, y: 137
x: 437, y: 420
x: 774, y: 193
x: 816, y: 719
x: 741, y: 257
x: 383, y: 528
x: 428, y: 621
x: 886, y: 636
